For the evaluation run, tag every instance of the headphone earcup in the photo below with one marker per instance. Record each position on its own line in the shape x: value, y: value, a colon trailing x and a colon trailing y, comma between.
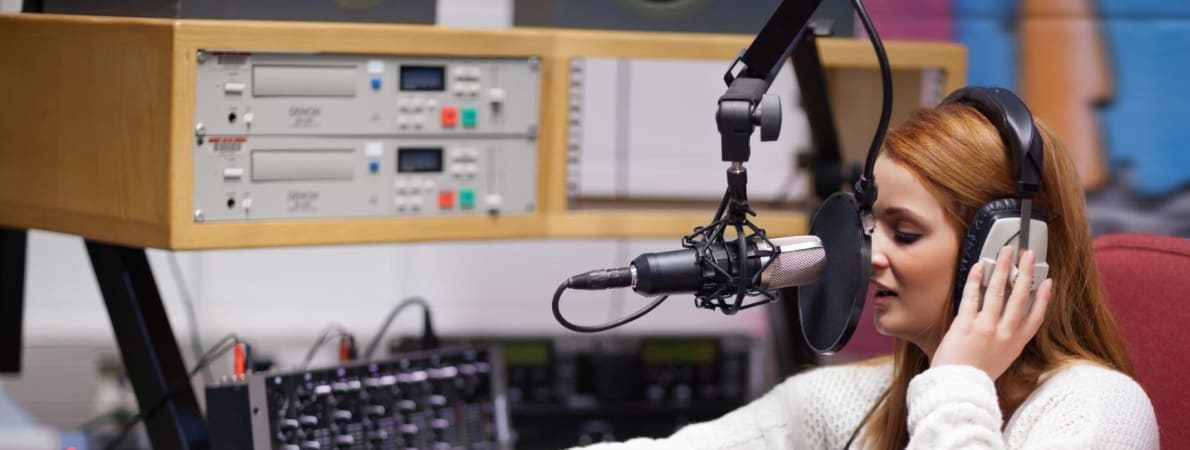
x: 971, y: 247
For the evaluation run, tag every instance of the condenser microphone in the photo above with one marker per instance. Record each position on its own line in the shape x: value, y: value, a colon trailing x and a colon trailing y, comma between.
x: 825, y: 272
x: 782, y: 262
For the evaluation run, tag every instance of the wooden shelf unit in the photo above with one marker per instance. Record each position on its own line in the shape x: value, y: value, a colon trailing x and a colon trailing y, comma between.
x: 96, y: 134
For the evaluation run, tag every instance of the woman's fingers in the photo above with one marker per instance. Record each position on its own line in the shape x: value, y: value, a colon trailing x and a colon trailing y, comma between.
x: 993, y: 299
x: 1040, y: 305
x: 969, y: 304
x: 1017, y: 304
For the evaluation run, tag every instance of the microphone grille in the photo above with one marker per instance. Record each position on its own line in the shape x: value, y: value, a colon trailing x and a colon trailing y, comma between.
x: 797, y: 265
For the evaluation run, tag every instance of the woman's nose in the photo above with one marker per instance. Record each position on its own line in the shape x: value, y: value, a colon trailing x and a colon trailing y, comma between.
x: 879, y: 258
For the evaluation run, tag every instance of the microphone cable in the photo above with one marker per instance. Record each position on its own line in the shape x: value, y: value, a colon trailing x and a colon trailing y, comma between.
x: 606, y: 326
x: 866, y: 188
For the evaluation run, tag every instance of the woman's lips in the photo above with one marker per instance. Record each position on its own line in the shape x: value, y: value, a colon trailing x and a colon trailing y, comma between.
x: 883, y: 296
x: 884, y: 300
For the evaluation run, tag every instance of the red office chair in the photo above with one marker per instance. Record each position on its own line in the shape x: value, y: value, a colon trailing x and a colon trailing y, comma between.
x: 1147, y: 280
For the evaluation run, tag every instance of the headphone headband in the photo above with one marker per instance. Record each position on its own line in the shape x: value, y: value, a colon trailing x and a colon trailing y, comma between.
x: 1013, y: 120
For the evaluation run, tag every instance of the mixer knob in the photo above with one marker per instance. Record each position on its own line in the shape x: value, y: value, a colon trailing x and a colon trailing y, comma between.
x: 378, y: 436
x: 437, y: 401
x: 308, y: 421
x: 288, y: 424
x: 408, y: 430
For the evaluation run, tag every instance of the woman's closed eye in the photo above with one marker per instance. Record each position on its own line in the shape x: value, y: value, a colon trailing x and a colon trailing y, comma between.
x: 905, y: 237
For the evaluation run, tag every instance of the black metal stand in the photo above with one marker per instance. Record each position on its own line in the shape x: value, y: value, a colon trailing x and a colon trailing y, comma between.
x: 148, y: 347
x: 12, y: 297
x: 829, y: 172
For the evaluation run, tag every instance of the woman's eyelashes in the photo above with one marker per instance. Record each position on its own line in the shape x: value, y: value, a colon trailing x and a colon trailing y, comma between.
x: 905, y: 237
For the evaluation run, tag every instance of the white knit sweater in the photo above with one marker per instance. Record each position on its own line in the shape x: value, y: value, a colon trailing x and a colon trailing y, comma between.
x: 1081, y: 406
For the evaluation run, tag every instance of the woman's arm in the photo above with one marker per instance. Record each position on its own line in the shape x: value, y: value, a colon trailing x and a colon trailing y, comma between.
x: 815, y: 409
x: 772, y: 421
x: 953, y: 407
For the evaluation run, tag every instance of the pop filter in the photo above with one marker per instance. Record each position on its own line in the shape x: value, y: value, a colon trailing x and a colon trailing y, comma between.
x: 830, y: 307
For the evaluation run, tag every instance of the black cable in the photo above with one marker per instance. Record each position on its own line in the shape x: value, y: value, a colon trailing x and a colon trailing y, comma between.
x: 212, y: 354
x: 866, y: 186
x: 323, y: 338
x: 597, y: 328
x: 428, y: 338
x: 855, y: 433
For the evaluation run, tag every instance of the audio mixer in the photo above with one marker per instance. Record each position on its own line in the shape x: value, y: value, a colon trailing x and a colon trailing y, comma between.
x: 439, y: 399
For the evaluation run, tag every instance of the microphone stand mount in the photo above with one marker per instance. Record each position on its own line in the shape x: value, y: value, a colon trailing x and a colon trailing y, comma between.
x: 741, y: 109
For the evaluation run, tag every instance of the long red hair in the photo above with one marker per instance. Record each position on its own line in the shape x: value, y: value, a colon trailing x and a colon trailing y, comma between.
x: 960, y: 158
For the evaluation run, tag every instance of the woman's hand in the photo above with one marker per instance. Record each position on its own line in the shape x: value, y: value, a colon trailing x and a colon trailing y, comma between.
x: 991, y: 337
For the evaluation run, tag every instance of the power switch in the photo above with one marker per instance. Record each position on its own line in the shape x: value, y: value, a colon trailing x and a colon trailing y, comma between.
x: 450, y: 116
x: 446, y: 199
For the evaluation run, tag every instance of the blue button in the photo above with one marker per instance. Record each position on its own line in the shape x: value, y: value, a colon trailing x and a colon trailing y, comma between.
x: 375, y: 84
x: 374, y: 166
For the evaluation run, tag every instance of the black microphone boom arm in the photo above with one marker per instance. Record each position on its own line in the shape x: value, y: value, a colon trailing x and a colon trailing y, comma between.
x: 748, y: 78
x: 746, y: 105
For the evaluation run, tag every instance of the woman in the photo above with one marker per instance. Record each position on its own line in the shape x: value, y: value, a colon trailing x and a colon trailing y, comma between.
x: 1045, y: 369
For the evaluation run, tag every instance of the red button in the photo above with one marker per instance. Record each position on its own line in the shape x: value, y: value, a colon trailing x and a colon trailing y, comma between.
x: 446, y: 199
x: 450, y: 116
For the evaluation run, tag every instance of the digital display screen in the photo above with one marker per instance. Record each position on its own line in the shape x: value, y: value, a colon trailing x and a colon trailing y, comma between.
x: 526, y: 354
x: 423, y: 78
x: 419, y: 160
x: 679, y: 351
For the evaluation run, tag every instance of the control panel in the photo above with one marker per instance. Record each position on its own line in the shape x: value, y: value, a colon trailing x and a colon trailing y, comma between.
x: 567, y: 391
x: 441, y: 399
x: 310, y: 135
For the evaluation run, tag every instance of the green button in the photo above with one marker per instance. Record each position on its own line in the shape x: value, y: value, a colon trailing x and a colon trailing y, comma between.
x: 466, y: 198
x: 470, y: 117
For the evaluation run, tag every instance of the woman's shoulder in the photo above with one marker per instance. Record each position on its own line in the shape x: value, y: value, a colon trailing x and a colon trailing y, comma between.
x: 1083, y: 398
x: 1094, y: 392
x: 1088, y: 377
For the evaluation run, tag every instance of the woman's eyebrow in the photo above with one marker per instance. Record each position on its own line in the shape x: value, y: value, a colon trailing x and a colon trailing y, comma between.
x: 898, y: 211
